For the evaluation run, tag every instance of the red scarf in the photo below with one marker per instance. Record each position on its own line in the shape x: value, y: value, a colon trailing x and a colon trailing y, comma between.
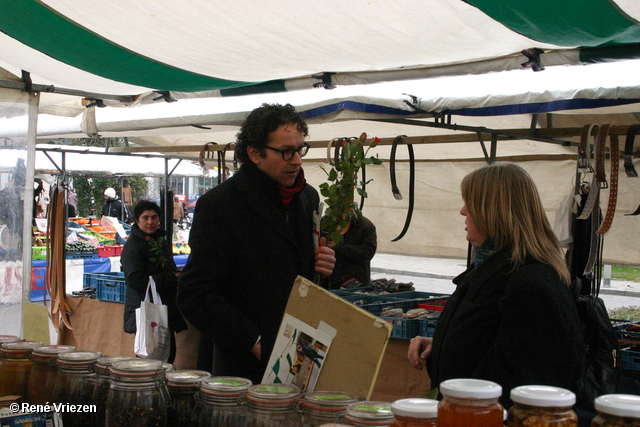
x: 288, y: 193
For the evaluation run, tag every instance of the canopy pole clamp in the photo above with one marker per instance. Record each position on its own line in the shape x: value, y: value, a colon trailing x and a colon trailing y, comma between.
x: 26, y: 78
x: 92, y: 102
x: 534, y: 59
x: 165, y: 95
x: 325, y: 80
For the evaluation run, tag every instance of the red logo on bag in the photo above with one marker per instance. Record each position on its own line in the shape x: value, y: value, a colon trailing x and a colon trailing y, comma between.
x: 153, y: 324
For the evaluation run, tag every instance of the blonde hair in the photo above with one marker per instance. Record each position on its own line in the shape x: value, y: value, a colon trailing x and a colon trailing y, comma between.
x: 504, y: 203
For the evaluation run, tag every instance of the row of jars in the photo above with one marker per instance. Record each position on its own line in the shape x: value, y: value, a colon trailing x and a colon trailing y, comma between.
x: 144, y: 392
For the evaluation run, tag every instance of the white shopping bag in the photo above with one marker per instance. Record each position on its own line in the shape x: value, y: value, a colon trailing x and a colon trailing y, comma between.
x: 152, y: 327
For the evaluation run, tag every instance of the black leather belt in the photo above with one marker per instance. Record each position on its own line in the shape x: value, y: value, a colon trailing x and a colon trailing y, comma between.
x: 613, y: 180
x: 412, y: 179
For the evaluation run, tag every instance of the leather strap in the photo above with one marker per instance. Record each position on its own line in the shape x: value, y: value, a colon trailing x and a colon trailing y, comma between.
x: 594, y: 251
x: 223, y: 170
x: 335, y: 144
x: 583, y: 148
x: 613, y: 183
x: 599, y: 177
x: 203, y: 154
x: 412, y: 179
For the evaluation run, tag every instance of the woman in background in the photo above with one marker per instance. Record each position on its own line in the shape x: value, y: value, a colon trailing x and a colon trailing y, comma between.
x: 512, y: 318
x: 148, y: 253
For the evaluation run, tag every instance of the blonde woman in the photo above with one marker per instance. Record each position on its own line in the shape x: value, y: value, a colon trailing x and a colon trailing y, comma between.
x: 512, y: 319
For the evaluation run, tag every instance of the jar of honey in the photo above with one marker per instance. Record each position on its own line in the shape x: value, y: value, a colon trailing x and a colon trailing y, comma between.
x: 542, y: 406
x: 369, y: 413
x: 617, y: 410
x: 44, y: 373
x: 414, y: 412
x: 470, y: 403
x: 15, y: 367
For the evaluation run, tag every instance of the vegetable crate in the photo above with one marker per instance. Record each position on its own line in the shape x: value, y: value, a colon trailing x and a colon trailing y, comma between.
x: 628, y: 332
x: 631, y: 361
x: 109, y: 250
x: 38, y: 252
x: 81, y: 254
x: 109, y: 286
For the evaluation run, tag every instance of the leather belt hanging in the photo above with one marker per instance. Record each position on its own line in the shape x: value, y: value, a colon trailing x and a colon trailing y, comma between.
x: 599, y: 178
x: 202, y: 155
x: 613, y: 179
x: 412, y: 178
x: 628, y: 157
x: 222, y: 164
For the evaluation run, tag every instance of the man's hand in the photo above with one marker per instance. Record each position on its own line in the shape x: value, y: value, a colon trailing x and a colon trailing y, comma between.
x: 419, y: 349
x: 257, y: 350
x: 325, y: 258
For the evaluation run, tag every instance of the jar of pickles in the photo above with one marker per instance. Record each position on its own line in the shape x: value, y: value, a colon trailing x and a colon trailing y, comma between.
x: 136, y: 397
x: 414, y: 412
x: 15, y: 367
x: 617, y: 410
x: 470, y: 403
x: 44, y: 373
x: 321, y: 407
x: 273, y: 405
x: 75, y: 381
x: 369, y: 413
x: 183, y: 388
x: 102, y: 385
x: 222, y: 402
x: 542, y: 406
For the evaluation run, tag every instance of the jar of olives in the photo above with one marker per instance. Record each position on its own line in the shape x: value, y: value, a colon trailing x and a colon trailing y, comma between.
x: 542, y: 406
x: 617, y: 410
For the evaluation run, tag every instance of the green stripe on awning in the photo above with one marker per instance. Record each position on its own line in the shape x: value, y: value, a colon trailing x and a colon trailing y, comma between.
x: 39, y: 28
x: 563, y: 22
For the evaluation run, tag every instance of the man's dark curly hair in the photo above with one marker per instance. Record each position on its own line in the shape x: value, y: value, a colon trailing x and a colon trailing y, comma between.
x: 263, y: 120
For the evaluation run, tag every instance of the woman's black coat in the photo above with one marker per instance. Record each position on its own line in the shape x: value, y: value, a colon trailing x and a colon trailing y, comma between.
x: 137, y: 266
x: 512, y: 327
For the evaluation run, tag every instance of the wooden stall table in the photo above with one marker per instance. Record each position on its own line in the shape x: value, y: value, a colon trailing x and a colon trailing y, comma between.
x: 97, y: 326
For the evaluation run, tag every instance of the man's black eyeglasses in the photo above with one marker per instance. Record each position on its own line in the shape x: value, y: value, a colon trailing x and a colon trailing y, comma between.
x: 288, y: 154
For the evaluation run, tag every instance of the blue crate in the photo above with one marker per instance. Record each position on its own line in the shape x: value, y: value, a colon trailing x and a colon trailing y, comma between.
x: 403, y: 328
x: 109, y: 286
x: 417, y: 295
x: 81, y: 254
x: 351, y: 291
x: 376, y: 304
x: 631, y: 360
x: 427, y: 327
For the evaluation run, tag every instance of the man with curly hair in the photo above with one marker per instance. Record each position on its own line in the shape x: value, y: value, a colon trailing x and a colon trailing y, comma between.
x: 251, y: 237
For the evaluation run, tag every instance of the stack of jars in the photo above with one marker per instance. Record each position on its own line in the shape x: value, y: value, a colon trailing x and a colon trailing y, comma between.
x: 102, y: 386
x: 222, y: 402
x: 15, y: 367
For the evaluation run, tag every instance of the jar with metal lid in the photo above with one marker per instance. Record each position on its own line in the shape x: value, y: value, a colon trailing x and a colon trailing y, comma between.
x: 183, y: 388
x: 542, y: 406
x: 321, y: 407
x: 617, y: 410
x: 15, y: 367
x: 415, y: 412
x: 75, y: 381
x: 273, y: 405
x: 9, y: 338
x: 102, y: 385
x: 470, y: 403
x: 44, y: 373
x: 369, y: 413
x: 137, y: 395
x: 222, y: 402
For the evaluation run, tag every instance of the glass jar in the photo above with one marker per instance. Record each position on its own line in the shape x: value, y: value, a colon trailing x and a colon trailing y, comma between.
x: 102, y: 385
x: 15, y: 367
x: 273, y: 405
x: 221, y: 402
x: 322, y: 407
x: 44, y: 373
x: 369, y: 413
x: 183, y: 388
x: 617, y: 410
x: 414, y: 412
x: 136, y: 397
x: 470, y: 403
x: 74, y: 385
x: 542, y: 406
x: 8, y: 338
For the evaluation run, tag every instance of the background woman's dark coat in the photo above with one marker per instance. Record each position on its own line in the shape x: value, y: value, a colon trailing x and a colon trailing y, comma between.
x: 137, y: 266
